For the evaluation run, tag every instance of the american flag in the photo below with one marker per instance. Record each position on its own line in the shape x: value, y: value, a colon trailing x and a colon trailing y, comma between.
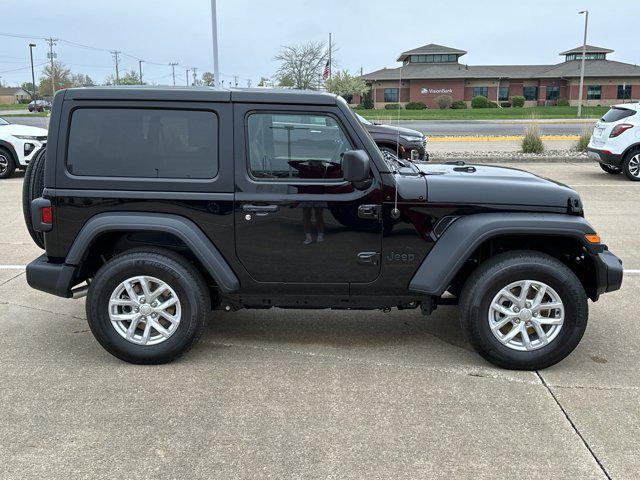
x: 325, y: 74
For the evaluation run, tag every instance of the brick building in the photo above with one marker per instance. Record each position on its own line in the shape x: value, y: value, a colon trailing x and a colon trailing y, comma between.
x: 433, y: 70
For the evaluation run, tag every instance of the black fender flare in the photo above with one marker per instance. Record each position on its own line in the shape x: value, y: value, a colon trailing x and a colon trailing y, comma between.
x: 466, y: 234
x: 184, y: 229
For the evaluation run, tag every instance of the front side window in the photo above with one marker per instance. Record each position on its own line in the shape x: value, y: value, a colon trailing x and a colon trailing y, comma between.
x: 295, y: 146
x: 624, y: 92
x: 553, y: 93
x: 390, y: 94
x: 594, y: 92
x: 143, y: 143
x: 481, y: 91
x: 530, y: 93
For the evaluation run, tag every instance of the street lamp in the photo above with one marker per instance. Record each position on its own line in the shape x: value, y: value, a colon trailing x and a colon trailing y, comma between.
x: 33, y: 74
x: 584, y: 54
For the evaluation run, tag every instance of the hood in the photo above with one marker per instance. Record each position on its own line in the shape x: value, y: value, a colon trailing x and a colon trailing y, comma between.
x: 391, y: 130
x: 13, y: 129
x: 489, y: 185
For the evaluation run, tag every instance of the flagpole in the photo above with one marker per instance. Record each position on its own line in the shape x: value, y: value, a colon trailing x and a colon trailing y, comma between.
x: 329, y: 56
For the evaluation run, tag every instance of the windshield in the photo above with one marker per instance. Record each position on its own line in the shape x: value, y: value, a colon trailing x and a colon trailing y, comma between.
x: 3, y: 122
x: 617, y: 113
x: 363, y: 120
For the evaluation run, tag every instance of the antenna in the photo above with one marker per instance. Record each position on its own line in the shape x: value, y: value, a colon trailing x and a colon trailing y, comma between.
x: 395, y: 213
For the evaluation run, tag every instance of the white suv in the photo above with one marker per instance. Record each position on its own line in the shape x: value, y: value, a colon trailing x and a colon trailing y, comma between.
x: 615, y: 142
x: 18, y: 145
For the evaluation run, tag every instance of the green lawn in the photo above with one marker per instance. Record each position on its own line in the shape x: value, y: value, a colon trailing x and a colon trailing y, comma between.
x: 484, y: 113
x: 13, y: 106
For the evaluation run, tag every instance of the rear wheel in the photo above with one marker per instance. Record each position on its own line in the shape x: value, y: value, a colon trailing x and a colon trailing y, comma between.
x: 523, y: 310
x: 32, y: 188
x: 148, y: 307
x: 7, y: 163
x: 631, y: 166
x: 610, y: 168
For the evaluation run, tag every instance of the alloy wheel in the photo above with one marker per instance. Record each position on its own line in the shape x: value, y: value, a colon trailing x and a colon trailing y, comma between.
x: 634, y: 165
x: 4, y: 164
x: 144, y: 310
x: 526, y: 315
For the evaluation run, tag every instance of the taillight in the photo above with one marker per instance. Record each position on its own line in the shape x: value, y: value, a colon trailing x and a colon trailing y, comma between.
x: 621, y: 128
x: 46, y: 214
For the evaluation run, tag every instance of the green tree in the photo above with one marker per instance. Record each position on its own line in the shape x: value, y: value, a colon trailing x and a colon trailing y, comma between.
x: 129, y: 78
x: 28, y: 87
x: 302, y: 66
x: 208, y: 79
x: 264, y: 82
x: 346, y: 85
x: 81, y: 80
x: 61, y: 76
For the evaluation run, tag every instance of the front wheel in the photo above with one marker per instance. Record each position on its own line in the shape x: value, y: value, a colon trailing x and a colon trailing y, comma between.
x: 7, y: 164
x: 523, y: 310
x: 610, y: 168
x: 148, y: 307
x: 631, y: 166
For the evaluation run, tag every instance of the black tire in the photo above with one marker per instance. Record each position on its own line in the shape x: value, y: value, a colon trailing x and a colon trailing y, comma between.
x: 493, y: 275
x: 32, y: 188
x: 631, y: 165
x: 175, y: 271
x: 7, y: 163
x: 610, y: 169
x: 393, y: 151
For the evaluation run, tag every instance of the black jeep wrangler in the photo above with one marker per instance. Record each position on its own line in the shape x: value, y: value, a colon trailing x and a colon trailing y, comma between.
x: 162, y: 205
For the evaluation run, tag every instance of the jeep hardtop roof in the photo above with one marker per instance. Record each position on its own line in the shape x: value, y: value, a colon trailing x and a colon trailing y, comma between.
x: 202, y: 94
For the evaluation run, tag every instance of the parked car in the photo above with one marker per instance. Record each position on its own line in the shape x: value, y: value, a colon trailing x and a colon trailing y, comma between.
x: 409, y: 144
x: 19, y: 144
x: 39, y: 105
x: 615, y: 142
x: 174, y: 202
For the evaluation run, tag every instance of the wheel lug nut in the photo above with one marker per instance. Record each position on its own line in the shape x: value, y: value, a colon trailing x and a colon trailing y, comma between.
x: 516, y: 309
x: 142, y: 300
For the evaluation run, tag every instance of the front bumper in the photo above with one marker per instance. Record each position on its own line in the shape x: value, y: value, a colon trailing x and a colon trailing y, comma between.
x: 604, y: 156
x: 609, y: 272
x: 54, y: 278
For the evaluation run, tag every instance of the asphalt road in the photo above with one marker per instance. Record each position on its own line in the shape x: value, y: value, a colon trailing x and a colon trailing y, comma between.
x: 320, y: 394
x: 431, y: 128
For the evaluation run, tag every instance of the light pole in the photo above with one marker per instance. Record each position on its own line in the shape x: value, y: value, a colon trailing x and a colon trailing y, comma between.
x: 584, y: 54
x: 33, y: 74
x: 214, y: 32
x: 140, y: 70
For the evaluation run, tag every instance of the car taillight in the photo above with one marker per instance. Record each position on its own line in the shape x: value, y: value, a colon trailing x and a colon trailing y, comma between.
x: 618, y: 129
x: 46, y: 215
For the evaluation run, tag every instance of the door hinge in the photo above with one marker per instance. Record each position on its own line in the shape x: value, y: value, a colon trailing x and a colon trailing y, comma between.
x: 368, y: 258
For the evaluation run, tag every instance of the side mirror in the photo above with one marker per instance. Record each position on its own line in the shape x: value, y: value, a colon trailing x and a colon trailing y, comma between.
x: 356, y: 166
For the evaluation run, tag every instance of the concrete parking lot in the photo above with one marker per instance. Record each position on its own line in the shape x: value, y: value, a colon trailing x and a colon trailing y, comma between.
x: 320, y: 394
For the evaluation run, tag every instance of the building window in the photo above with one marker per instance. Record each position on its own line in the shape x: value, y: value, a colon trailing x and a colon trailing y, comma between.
x: 503, y: 94
x: 530, y: 93
x: 481, y: 91
x: 553, y: 93
x: 594, y: 92
x: 390, y: 94
x: 624, y: 92
x: 588, y: 56
x: 437, y: 58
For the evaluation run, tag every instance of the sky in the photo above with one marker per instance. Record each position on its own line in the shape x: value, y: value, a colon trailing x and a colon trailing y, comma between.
x: 368, y: 34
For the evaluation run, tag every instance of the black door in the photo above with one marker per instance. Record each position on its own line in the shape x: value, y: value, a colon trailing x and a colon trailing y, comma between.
x: 296, y: 219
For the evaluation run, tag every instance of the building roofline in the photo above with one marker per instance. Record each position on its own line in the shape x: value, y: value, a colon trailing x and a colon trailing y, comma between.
x: 589, y: 49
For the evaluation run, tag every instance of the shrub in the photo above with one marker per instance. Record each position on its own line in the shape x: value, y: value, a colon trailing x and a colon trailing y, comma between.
x: 393, y: 106
x: 367, y: 100
x: 415, y: 106
x: 480, y: 102
x: 563, y: 102
x: 444, y: 101
x: 505, y: 104
x: 459, y: 105
x: 583, y: 141
x: 492, y: 105
x: 532, y: 143
x: 517, y: 101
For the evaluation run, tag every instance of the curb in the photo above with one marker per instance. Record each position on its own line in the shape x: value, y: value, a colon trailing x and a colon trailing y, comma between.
x: 496, y: 138
x: 497, y: 159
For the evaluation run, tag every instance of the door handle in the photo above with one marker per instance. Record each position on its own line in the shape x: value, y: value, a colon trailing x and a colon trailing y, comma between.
x: 260, y: 208
x: 368, y: 258
x: 368, y: 211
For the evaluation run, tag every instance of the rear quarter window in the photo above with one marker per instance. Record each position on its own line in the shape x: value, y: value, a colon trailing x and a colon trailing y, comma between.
x: 143, y: 143
x: 616, y: 114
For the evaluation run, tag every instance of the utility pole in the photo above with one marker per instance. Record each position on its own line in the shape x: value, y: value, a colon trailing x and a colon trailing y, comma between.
x: 52, y: 41
x: 248, y: 83
x: 33, y: 74
x: 140, y: 70
x: 214, y: 32
x: 116, y: 58
x: 173, y: 72
x: 187, y: 77
x: 195, y: 76
x: 235, y: 81
x: 584, y: 54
